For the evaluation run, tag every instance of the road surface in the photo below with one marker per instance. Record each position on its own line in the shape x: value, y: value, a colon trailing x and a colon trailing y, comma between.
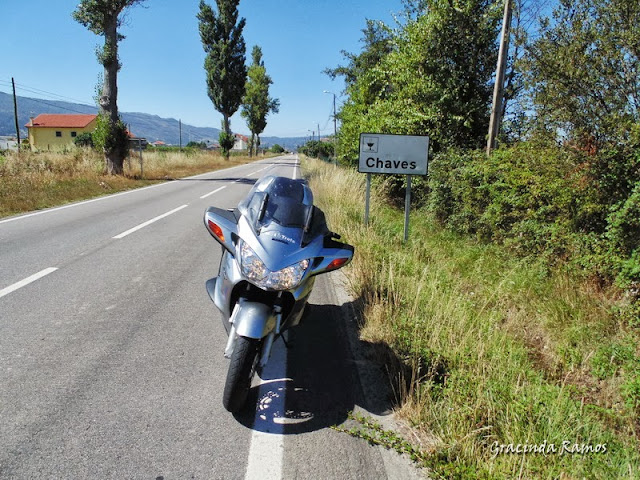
x: 111, y: 360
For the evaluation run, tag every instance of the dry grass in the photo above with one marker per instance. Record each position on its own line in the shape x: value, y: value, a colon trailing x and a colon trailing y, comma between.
x: 485, y: 347
x: 31, y: 181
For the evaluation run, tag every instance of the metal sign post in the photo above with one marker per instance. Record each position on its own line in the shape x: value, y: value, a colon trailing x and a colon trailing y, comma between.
x: 393, y: 155
x: 366, y: 201
x: 407, y: 203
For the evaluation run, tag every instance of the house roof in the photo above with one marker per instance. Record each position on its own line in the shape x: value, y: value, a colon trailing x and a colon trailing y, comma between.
x: 55, y: 120
x: 242, y: 137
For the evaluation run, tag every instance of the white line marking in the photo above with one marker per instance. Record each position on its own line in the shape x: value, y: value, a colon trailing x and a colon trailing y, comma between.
x: 149, y: 222
x: 55, y: 209
x: 49, y: 210
x: 266, y: 452
x: 215, y: 191
x: 295, y: 164
x: 26, y: 281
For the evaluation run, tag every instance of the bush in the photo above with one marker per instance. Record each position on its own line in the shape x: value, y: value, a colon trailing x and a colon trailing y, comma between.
x: 85, y: 139
x: 318, y: 149
x: 108, y: 138
x: 557, y: 202
x: 226, y: 141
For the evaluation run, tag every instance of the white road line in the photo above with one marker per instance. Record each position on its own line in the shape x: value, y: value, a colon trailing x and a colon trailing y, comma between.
x: 99, y: 199
x: 149, y: 222
x: 266, y: 452
x: 49, y: 210
x: 295, y: 164
x: 26, y: 281
x: 215, y: 191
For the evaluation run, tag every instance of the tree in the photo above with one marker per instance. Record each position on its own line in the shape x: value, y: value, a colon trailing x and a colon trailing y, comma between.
x: 103, y: 17
x: 277, y: 148
x: 431, y: 77
x: 584, y: 69
x: 221, y: 36
x: 256, y: 103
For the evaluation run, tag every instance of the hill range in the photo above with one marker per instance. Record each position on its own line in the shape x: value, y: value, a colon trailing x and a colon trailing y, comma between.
x: 151, y: 127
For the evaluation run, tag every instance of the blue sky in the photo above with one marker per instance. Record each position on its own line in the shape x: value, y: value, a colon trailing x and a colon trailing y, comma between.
x: 51, y: 56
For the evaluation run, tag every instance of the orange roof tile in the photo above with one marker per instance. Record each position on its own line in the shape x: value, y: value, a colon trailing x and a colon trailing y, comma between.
x: 61, y: 120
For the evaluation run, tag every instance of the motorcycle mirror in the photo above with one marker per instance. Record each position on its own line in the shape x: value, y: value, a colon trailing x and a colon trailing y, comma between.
x: 222, y: 225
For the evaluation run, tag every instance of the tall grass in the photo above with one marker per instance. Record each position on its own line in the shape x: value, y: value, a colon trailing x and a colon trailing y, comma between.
x: 31, y: 181
x: 488, y: 349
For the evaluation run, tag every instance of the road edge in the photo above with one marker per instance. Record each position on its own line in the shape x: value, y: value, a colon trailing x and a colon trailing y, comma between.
x: 372, y: 383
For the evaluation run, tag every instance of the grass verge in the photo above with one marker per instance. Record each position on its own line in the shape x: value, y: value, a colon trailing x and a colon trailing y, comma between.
x: 33, y: 181
x: 507, y: 369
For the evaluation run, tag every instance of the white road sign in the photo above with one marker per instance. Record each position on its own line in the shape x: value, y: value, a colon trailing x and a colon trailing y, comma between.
x: 393, y: 154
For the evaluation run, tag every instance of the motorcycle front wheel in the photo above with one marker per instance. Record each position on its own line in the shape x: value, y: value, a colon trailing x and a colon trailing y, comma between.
x: 241, y: 370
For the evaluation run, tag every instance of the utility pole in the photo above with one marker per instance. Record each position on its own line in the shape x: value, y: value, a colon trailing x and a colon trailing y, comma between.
x: 318, y: 132
x: 335, y: 128
x: 180, y: 127
x: 498, y: 89
x: 15, y: 111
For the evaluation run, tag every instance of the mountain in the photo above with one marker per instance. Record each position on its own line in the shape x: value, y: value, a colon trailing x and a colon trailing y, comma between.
x: 151, y: 127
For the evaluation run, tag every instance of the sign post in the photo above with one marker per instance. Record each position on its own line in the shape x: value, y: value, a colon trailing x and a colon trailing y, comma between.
x: 393, y: 155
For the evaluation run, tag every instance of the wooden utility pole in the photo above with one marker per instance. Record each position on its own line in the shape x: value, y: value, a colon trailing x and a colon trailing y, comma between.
x: 498, y: 89
x: 15, y: 111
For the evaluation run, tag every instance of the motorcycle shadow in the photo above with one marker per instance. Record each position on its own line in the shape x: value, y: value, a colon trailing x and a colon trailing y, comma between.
x: 321, y: 385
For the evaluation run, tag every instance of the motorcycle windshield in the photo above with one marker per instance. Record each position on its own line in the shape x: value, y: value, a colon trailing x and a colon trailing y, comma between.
x: 279, y: 200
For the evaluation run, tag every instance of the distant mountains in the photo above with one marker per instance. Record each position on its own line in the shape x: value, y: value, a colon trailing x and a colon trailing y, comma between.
x: 151, y: 127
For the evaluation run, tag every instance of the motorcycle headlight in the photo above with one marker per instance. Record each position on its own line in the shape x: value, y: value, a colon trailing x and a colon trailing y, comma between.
x: 256, y: 271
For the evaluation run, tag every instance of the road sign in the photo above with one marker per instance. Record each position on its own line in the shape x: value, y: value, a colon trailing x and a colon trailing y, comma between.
x: 393, y: 154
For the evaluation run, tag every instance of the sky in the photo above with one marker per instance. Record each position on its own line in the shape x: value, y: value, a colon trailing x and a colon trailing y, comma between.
x: 51, y: 56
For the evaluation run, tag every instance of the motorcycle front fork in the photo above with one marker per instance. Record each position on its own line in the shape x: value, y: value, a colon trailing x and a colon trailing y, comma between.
x: 267, y: 343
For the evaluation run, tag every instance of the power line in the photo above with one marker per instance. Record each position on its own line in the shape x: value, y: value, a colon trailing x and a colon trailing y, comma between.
x: 37, y: 91
x: 57, y: 106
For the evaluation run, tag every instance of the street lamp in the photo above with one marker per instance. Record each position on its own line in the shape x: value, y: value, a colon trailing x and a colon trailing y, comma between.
x: 335, y: 127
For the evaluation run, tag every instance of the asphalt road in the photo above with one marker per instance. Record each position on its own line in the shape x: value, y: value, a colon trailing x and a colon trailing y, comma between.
x: 111, y: 360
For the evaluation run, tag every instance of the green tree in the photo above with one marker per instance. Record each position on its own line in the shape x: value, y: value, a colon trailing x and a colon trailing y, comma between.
x: 431, y: 77
x: 103, y: 17
x: 277, y: 148
x: 223, y: 43
x: 256, y: 103
x: 584, y: 70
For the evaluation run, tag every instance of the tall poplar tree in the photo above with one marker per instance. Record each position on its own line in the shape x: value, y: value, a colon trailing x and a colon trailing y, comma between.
x: 221, y: 35
x: 257, y: 103
x: 103, y: 17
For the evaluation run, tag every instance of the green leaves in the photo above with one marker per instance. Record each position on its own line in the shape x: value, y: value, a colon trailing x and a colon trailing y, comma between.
x: 583, y: 70
x: 432, y: 77
x: 222, y: 40
x: 256, y: 103
x: 102, y: 17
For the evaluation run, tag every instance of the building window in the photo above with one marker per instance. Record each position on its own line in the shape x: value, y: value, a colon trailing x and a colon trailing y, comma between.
x: 73, y: 134
x: 58, y: 134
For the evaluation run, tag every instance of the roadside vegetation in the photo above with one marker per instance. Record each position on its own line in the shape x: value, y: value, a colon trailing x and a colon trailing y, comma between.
x: 32, y: 181
x: 486, y: 348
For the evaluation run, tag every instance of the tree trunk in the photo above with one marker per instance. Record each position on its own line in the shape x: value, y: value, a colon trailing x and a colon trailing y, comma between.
x: 227, y: 128
x: 114, y: 157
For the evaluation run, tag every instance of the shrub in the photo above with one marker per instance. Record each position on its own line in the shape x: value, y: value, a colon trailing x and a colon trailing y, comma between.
x: 85, y: 139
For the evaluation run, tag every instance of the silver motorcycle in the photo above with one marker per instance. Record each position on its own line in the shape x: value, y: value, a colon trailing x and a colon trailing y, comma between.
x: 274, y: 244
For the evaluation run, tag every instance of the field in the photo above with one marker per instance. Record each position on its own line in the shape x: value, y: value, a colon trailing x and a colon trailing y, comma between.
x: 33, y: 181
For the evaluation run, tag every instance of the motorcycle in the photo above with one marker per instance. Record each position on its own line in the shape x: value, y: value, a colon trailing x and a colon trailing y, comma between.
x: 274, y: 244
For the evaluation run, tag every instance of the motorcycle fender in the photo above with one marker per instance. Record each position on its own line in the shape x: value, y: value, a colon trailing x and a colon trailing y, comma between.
x: 253, y: 319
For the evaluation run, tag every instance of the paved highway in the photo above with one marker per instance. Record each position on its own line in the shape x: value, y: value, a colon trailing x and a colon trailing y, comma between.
x: 111, y: 360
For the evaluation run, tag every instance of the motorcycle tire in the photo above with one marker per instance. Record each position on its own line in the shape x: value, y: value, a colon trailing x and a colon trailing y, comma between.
x: 241, y: 370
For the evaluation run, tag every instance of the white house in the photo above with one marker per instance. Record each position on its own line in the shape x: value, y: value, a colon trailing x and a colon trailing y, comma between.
x: 242, y: 142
